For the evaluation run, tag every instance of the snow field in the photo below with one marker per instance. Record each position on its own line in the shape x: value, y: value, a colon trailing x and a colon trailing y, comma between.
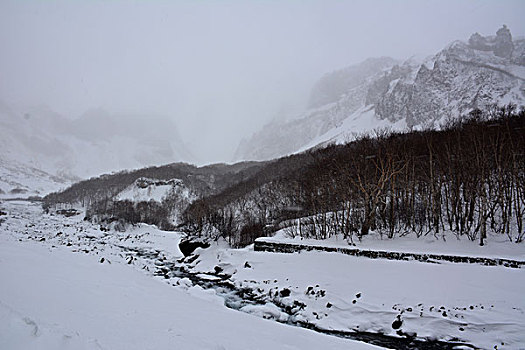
x: 82, y: 288
x: 479, y: 305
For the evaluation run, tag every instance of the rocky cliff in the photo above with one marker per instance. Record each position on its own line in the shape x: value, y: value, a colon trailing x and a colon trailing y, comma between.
x: 378, y: 93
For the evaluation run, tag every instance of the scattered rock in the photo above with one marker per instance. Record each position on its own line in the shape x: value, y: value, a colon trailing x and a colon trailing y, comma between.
x: 397, y: 323
x: 68, y: 212
x: 284, y: 293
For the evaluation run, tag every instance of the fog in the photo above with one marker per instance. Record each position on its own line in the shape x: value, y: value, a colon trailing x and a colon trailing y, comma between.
x: 219, y: 70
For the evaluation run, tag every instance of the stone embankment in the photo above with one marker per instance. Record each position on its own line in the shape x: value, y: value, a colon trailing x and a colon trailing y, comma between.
x: 280, y: 247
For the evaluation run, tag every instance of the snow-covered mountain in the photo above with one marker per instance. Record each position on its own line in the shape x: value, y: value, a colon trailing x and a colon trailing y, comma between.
x: 42, y: 151
x: 333, y: 98
x: 380, y: 93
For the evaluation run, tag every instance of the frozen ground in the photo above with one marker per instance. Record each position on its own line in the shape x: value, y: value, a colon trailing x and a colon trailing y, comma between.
x: 480, y: 305
x: 56, y: 292
x: 66, y: 281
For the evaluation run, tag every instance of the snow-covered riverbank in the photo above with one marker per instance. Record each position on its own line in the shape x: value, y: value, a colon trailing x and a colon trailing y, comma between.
x: 58, y: 297
x: 67, y: 282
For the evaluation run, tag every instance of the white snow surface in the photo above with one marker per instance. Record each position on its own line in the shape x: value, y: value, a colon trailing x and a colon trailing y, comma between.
x: 58, y: 293
x: 480, y: 305
x: 137, y: 194
x: 19, y: 180
x: 363, y: 121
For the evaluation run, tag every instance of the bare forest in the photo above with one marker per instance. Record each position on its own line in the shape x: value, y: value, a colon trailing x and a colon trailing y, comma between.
x: 467, y: 178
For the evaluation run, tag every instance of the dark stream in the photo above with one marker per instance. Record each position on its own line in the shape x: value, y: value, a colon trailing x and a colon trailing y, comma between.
x: 235, y: 298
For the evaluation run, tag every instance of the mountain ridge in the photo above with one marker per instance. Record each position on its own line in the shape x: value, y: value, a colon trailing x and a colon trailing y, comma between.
x: 463, y: 76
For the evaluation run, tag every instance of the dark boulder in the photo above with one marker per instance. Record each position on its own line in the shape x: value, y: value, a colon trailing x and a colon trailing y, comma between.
x: 187, y: 245
x: 397, y: 323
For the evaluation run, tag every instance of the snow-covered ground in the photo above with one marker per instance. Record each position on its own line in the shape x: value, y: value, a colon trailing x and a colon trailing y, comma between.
x: 67, y: 283
x: 21, y: 180
x: 481, y: 305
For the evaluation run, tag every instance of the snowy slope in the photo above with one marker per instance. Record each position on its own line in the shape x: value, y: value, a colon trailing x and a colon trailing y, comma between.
x: 343, y: 92
x: 418, y: 93
x: 173, y: 193
x: 363, y: 121
x: 22, y: 180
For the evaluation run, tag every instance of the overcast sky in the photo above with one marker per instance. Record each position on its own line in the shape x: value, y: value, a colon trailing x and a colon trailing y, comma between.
x: 220, y: 69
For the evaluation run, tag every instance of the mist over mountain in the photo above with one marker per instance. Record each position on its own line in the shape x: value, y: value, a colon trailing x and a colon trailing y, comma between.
x: 51, y: 151
x: 42, y: 150
x: 417, y: 93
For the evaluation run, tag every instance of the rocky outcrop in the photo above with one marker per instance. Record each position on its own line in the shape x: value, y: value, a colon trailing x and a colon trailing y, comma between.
x: 483, y: 71
x: 331, y: 87
x: 503, y: 46
x: 479, y: 42
x: 458, y: 79
x: 336, y: 96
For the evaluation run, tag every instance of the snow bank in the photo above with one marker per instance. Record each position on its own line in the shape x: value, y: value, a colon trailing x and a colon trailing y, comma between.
x: 53, y: 298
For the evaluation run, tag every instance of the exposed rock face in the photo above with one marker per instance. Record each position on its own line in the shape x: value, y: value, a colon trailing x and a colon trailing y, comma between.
x: 336, y: 96
x: 479, y: 42
x: 518, y: 56
x: 485, y: 70
x: 381, y: 85
x: 335, y: 85
x: 459, y: 78
x: 503, y: 46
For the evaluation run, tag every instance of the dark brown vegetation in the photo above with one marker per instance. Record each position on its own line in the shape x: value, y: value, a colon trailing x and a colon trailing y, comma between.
x: 467, y: 178
x: 98, y: 194
x: 204, y: 180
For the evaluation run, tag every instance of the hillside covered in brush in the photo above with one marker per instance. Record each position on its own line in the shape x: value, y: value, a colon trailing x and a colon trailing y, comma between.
x: 467, y: 178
